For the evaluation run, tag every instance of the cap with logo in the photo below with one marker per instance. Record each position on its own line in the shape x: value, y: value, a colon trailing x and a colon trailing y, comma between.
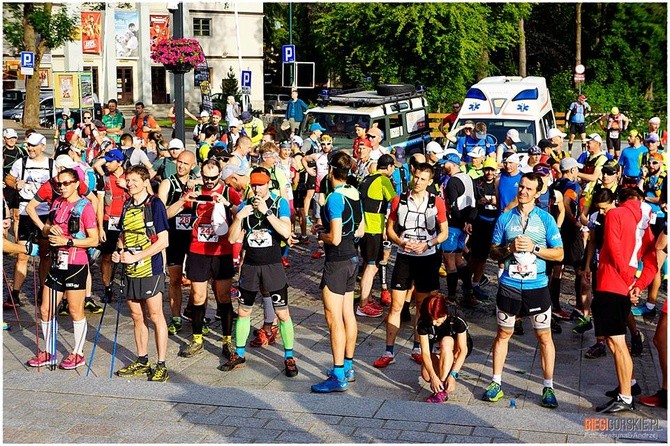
x: 511, y: 157
x: 544, y: 143
x: 595, y: 137
x: 246, y: 116
x: 434, y: 147
x: 634, y: 134
x: 542, y: 169
x: 297, y: 140
x: 176, y: 143
x: 115, y: 155
x: 490, y: 163
x: 316, y: 126
x: 477, y: 152
x: 216, y: 113
x: 569, y: 163
x: 450, y: 158
x: 326, y: 138
x: 652, y: 137
x: 611, y: 167
x: 535, y: 150
x: 66, y: 112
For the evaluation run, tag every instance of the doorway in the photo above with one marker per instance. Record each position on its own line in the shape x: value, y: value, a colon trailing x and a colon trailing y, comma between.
x: 158, y: 85
x: 124, y: 85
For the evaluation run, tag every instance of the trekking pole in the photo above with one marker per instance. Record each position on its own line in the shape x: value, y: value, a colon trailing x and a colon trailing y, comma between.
x: 102, y: 316
x: 37, y: 318
x: 53, y: 301
x: 116, y: 329
x: 11, y: 297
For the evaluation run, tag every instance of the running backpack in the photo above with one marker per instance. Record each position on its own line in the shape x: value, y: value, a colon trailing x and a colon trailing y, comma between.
x: 371, y: 205
x: 148, y: 216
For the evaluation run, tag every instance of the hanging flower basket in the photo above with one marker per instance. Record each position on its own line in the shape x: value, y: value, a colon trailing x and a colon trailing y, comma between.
x: 178, y: 55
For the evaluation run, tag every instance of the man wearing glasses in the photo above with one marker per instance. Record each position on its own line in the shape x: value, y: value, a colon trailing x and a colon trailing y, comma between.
x: 375, y: 136
x: 317, y: 163
x: 26, y: 176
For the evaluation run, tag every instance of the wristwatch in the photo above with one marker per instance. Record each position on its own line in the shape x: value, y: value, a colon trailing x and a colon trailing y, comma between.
x: 536, y: 249
x: 268, y: 212
x: 430, y: 243
x: 70, y: 243
x: 454, y: 374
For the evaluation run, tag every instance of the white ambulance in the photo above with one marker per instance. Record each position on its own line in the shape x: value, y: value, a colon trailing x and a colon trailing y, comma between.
x: 510, y: 102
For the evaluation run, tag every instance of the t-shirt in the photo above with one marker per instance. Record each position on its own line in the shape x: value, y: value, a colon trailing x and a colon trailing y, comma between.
x: 114, y: 121
x: 262, y: 243
x: 452, y: 326
x: 114, y: 197
x: 380, y: 189
x: 342, y: 204
x: 508, y: 186
x: 137, y: 156
x: 414, y: 222
x: 47, y: 193
x: 204, y: 240
x: 62, y: 209
x: 165, y: 167
x: 578, y: 112
x: 465, y: 144
x: 135, y: 237
x: 541, y: 228
x: 378, y: 152
x: 631, y: 160
x: 36, y: 174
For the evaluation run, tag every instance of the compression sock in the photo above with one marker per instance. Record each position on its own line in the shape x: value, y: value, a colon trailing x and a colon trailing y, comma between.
x: 198, y: 318
x: 80, y: 328
x: 47, y: 328
x: 242, y: 329
x: 452, y: 283
x: 225, y: 310
x: 383, y: 268
x: 287, y: 336
x: 338, y: 371
x: 268, y: 310
x: 348, y: 364
x: 465, y: 276
x: 555, y: 293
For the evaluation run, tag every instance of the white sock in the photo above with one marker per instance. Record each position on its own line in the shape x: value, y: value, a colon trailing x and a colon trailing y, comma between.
x: 497, y: 379
x: 650, y: 306
x: 548, y: 383
x: 268, y: 310
x: 626, y: 399
x: 633, y: 382
x: 80, y: 329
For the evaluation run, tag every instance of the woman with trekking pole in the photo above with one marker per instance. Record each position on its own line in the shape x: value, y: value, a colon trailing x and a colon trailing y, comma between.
x: 71, y: 229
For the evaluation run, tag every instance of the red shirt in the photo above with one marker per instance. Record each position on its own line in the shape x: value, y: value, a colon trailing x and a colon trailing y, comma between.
x: 203, y: 239
x: 115, y: 196
x: 47, y: 193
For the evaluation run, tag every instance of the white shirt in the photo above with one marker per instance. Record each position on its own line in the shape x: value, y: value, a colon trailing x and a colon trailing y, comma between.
x: 378, y: 152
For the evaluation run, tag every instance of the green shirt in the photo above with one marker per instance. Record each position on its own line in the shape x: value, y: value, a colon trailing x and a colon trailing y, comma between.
x: 114, y: 121
x: 380, y: 189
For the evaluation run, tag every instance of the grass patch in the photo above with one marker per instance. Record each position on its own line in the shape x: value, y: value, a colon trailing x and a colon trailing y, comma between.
x: 168, y: 123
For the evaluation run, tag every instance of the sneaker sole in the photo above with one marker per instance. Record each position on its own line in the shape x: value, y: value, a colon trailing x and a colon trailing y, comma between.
x: 360, y: 313
x: 71, y: 367
x: 123, y: 375
x: 549, y: 406
x: 42, y: 364
x: 494, y: 399
x: 341, y: 389
x: 238, y: 366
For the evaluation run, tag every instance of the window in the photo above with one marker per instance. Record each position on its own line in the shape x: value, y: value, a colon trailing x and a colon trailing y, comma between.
x: 202, y: 27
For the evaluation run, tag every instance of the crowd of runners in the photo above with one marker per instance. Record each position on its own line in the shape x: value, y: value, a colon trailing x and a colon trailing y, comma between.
x: 155, y: 215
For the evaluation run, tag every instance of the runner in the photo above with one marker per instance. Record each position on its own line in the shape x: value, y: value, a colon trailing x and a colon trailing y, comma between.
x: 576, y: 116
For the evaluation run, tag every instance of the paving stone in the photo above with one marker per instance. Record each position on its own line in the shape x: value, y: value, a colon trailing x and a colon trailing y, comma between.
x: 298, y: 437
x: 420, y: 437
x: 363, y: 422
x: 381, y: 434
x: 300, y: 424
x: 258, y: 434
x: 333, y: 430
x: 405, y: 425
x: 495, y: 433
x: 450, y: 429
x: 101, y: 430
x: 242, y: 422
x: 203, y: 418
x: 541, y: 437
x: 466, y: 439
x: 194, y: 408
x: 589, y: 439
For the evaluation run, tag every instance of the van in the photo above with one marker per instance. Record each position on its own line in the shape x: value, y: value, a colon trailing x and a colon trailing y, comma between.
x: 510, y: 102
x: 398, y: 110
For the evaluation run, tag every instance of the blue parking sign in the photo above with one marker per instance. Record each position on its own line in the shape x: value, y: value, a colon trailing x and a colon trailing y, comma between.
x: 27, y: 59
x: 246, y: 78
x: 288, y: 53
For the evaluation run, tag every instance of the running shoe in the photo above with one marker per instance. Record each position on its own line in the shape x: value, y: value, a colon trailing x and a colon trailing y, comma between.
x: 135, y: 368
x: 634, y: 389
x: 549, y: 398
x: 479, y: 293
x: 562, y: 314
x: 616, y: 405
x: 650, y: 315
x: 8, y: 305
x: 175, y: 326
x: 439, y: 397
x: 159, y: 374
x: 443, y: 272
x: 6, y: 326
x: 263, y: 338
x: 641, y: 310
x: 374, y: 304
x: 518, y: 327
x: 349, y: 375
x: 416, y: 356
x: 659, y: 399
x: 636, y: 343
x: 284, y: 262
x: 493, y: 392
x: 63, y: 309
x: 304, y: 240
x: 72, y: 361
x: 597, y: 350
x: 384, y: 361
x: 369, y: 311
x: 332, y: 384
x: 43, y: 358
x: 318, y: 254
x: 385, y: 297
x: 290, y: 369
x: 205, y: 325
x: 234, y: 362
x: 227, y: 348
x: 234, y: 293
x: 92, y: 307
x: 190, y: 350
x: 584, y: 324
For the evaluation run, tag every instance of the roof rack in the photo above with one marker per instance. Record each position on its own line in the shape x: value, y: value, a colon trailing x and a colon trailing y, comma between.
x: 363, y: 98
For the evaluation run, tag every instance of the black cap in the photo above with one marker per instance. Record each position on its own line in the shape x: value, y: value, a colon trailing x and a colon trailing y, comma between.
x: 544, y: 143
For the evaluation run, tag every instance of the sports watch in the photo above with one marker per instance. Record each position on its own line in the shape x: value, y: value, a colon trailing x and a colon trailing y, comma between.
x: 268, y: 212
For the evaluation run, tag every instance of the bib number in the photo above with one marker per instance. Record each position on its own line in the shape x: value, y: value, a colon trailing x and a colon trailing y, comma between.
x: 113, y: 224
x: 652, y: 219
x: 260, y: 239
x: 523, y: 272
x: 206, y: 234
x: 184, y: 222
x: 62, y: 260
x: 614, y: 134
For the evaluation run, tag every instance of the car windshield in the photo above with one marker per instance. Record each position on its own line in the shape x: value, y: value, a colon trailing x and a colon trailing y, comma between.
x: 498, y: 128
x: 337, y: 125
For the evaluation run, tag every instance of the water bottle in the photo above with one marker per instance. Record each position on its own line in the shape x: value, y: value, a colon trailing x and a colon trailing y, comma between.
x: 512, y: 403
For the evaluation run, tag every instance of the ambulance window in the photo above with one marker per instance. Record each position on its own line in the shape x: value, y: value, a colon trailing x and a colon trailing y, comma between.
x: 548, y: 122
x: 395, y: 126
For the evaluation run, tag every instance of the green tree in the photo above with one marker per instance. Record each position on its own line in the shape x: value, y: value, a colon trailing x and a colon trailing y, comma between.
x: 230, y: 86
x: 39, y: 28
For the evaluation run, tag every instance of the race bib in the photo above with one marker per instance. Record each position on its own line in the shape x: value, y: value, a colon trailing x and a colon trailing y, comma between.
x: 260, y: 239
x: 184, y: 222
x: 614, y: 134
x: 62, y: 259
x: 652, y: 218
x: 206, y: 234
x: 523, y: 272
x: 113, y: 224
x: 139, y: 263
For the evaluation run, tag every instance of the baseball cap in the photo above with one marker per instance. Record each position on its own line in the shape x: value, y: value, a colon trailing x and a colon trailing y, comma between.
x: 259, y: 177
x: 490, y: 163
x: 365, y: 142
x: 64, y: 161
x: 652, y: 137
x: 581, y: 96
x: 235, y: 123
x: 476, y: 152
x: 99, y: 125
x: 66, y: 112
x: 594, y: 137
x: 376, y: 132
x: 513, y: 134
x: 434, y: 147
x: 36, y: 139
x: 297, y: 139
x: 469, y: 124
x: 231, y: 169
x: 384, y: 161
x: 656, y: 156
x: 655, y: 120
x: 511, y: 157
x: 361, y: 124
x: 216, y: 113
x: 204, y: 114
x: 542, y: 169
x: 569, y: 163
x: 9, y: 133
x: 176, y: 143
x: 316, y: 126
x: 555, y: 132
x: 544, y: 143
x: 634, y: 133
x: 615, y: 110
x: 246, y: 116
x: 611, y: 167
x: 535, y: 150
x: 115, y: 155
x: 450, y: 158
x: 285, y: 144
x: 326, y: 138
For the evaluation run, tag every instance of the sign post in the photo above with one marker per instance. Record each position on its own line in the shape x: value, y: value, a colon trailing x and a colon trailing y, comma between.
x: 27, y: 63
x: 246, y: 86
x: 579, y: 77
x: 288, y: 57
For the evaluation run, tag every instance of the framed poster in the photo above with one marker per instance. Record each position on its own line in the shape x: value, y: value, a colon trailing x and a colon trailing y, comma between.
x: 126, y: 26
x: 86, y: 89
x: 159, y: 28
x: 66, y: 90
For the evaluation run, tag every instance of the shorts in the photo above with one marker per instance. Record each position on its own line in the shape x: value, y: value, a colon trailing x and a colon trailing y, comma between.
x: 109, y: 246
x: 310, y: 182
x: 610, y: 312
x: 201, y: 268
x: 11, y: 197
x: 422, y: 271
x: 577, y: 127
x: 455, y: 242
x: 480, y: 239
x: 371, y: 248
x: 271, y: 277
x: 511, y: 302
x: 279, y: 298
x: 180, y: 243
x: 71, y: 279
x: 140, y: 288
x: 340, y: 276
x: 573, y: 248
x: 28, y: 230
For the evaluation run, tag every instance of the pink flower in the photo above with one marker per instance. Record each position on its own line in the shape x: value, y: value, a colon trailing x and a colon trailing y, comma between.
x: 178, y: 52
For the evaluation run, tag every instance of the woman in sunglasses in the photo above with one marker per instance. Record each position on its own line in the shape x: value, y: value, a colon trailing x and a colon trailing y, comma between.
x: 71, y: 229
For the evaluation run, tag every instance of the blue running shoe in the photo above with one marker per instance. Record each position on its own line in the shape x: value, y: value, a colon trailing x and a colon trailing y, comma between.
x: 493, y: 392
x: 332, y: 384
x: 548, y: 398
x: 641, y: 310
x: 349, y: 375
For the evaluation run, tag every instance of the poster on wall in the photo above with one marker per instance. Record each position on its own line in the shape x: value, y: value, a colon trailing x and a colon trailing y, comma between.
x: 126, y: 31
x: 91, y: 32
x: 86, y: 89
x: 66, y: 86
x: 159, y: 28
x: 45, y: 77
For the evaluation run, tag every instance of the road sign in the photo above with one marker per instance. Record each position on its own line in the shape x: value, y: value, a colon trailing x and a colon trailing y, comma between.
x: 579, y: 78
x: 288, y: 53
x: 246, y: 90
x: 246, y: 78
x: 579, y: 69
x: 27, y: 63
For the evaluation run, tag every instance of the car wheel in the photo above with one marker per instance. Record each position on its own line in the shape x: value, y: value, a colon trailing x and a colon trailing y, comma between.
x: 391, y: 89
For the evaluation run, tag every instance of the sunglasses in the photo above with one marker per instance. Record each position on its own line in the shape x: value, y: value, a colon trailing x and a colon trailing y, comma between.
x: 87, y: 117
x: 174, y: 148
x: 64, y: 183
x: 653, y: 163
x: 370, y: 136
x: 211, y: 179
x: 326, y: 143
x: 609, y: 172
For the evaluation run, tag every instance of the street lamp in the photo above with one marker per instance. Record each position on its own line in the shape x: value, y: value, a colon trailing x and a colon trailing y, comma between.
x: 177, y: 10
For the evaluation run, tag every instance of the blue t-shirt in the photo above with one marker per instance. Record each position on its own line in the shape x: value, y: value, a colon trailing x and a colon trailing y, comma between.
x: 343, y: 203
x: 578, y: 112
x: 508, y: 187
x: 466, y: 143
x: 541, y: 228
x: 631, y: 160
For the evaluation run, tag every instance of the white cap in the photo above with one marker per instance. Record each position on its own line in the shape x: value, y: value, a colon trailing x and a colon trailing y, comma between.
x: 655, y: 120
x: 176, y: 143
x: 477, y: 152
x: 513, y: 158
x: 513, y: 134
x: 569, y: 163
x: 36, y: 139
x: 595, y: 137
x: 66, y: 112
x: 204, y: 114
x: 296, y: 139
x: 235, y: 123
x: 9, y: 133
x: 555, y: 132
x: 448, y: 151
x: 434, y: 147
x: 64, y: 161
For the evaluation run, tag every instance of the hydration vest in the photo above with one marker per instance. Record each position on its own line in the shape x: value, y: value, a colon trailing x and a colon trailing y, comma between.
x: 371, y: 205
x: 419, y: 224
x: 148, y: 216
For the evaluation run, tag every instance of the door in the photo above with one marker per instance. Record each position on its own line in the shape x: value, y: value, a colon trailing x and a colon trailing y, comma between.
x: 158, y: 85
x: 124, y: 85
